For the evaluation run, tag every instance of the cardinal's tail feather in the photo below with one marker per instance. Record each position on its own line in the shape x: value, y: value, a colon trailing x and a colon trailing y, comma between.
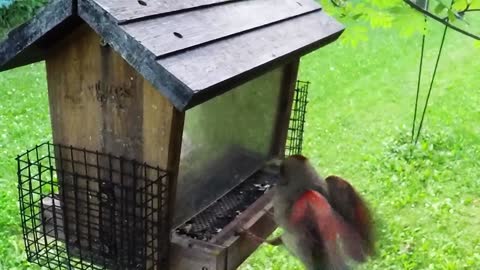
x: 336, y: 258
x: 351, y: 242
x: 332, y: 266
x: 353, y: 209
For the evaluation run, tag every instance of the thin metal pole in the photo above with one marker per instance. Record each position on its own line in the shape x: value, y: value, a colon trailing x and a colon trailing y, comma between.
x: 420, y: 71
x: 431, y: 84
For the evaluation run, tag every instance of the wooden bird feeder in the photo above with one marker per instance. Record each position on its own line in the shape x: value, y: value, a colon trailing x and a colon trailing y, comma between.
x: 163, y: 113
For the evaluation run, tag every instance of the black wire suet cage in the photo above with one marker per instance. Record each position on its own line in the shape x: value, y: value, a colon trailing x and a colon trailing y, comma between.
x: 297, y: 119
x: 81, y: 209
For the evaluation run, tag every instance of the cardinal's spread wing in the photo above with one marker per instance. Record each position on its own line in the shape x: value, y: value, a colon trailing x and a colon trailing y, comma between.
x: 316, y: 226
x: 347, y: 203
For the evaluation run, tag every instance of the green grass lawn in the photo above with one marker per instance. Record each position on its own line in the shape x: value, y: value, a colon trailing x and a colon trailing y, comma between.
x: 426, y: 199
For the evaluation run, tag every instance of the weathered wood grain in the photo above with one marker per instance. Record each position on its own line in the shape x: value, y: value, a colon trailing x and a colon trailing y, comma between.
x: 99, y: 102
x: 135, y: 54
x: 69, y: 79
x: 208, y: 69
x: 177, y: 32
x: 162, y: 138
x: 127, y: 10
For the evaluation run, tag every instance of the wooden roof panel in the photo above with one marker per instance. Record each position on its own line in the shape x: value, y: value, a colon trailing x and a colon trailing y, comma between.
x: 222, y: 47
x: 22, y: 46
x: 180, y: 31
x: 127, y: 10
x: 218, y: 43
x: 206, y: 68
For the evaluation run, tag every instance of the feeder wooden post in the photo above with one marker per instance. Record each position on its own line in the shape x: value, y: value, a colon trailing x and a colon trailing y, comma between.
x: 98, y: 101
x: 290, y: 73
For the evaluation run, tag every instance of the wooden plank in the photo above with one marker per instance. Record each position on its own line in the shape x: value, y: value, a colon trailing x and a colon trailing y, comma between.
x: 52, y: 217
x: 192, y: 254
x: 240, y: 248
x: 177, y: 32
x: 162, y: 138
x: 70, y: 102
x: 290, y: 73
x: 127, y: 10
x: 208, y: 70
x: 99, y: 102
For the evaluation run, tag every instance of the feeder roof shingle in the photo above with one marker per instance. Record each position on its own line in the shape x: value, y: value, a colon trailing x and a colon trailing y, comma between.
x: 190, y: 50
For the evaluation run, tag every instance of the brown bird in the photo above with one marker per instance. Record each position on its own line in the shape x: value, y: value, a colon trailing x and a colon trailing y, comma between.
x: 327, y: 225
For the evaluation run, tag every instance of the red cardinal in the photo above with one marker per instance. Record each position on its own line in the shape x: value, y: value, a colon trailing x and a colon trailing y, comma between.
x: 327, y: 224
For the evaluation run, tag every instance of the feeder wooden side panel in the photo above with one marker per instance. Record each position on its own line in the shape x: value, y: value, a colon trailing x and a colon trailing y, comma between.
x: 189, y: 254
x: 162, y: 137
x: 241, y: 248
x: 75, y: 117
x: 98, y: 101
x: 76, y: 120
x: 290, y: 73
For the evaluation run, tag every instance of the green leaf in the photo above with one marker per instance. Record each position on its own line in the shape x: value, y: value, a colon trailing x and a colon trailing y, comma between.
x: 451, y: 15
x: 354, y: 35
x: 475, y: 4
x: 383, y: 20
x: 461, y: 5
x: 440, y: 8
x: 409, y: 24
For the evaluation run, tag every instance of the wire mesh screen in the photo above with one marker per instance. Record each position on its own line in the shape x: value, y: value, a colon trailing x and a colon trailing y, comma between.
x: 87, y: 210
x: 297, y: 120
x: 211, y: 221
